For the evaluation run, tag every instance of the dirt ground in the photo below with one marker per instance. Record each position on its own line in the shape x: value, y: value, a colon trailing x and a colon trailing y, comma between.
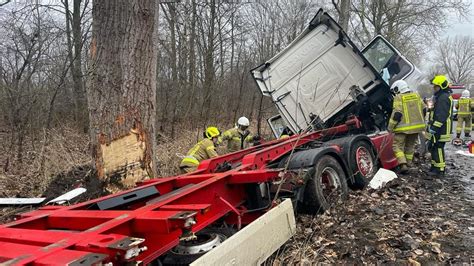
x: 413, y: 219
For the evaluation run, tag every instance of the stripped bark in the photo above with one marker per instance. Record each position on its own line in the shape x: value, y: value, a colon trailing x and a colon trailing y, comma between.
x: 122, y: 91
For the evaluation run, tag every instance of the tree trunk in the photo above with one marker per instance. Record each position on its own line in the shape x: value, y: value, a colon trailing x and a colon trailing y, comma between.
x: 344, y: 14
x: 122, y: 93
x: 209, y: 64
x: 80, y: 93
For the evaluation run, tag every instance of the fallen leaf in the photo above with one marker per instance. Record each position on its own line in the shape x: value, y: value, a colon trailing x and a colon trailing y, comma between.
x: 413, y: 262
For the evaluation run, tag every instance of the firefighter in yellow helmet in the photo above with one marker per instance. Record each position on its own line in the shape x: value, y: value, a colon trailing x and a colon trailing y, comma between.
x: 238, y: 137
x: 405, y: 122
x: 203, y: 150
x: 439, y: 125
x: 464, y: 106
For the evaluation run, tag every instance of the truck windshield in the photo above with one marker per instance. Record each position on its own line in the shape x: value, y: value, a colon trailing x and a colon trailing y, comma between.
x: 379, y: 54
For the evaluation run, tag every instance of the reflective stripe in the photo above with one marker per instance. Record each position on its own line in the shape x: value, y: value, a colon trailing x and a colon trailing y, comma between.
x: 464, y: 106
x: 190, y: 159
x: 437, y: 124
x: 409, y: 156
x: 440, y: 154
x: 399, y: 154
x: 210, y: 148
x: 414, y: 127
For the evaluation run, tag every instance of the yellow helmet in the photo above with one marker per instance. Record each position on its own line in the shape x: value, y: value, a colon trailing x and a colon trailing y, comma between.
x: 212, y: 132
x: 441, y: 81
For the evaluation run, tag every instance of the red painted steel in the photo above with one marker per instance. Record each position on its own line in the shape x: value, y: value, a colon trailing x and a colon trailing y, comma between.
x: 154, y: 224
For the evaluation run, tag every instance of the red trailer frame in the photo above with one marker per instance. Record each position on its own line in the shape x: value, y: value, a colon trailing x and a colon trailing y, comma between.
x: 145, y: 222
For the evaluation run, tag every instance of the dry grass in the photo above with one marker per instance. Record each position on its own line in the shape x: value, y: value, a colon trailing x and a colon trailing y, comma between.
x: 59, y: 160
x: 65, y: 149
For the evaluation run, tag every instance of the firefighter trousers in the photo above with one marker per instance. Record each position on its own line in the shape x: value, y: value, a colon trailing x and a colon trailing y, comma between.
x: 466, y: 121
x: 438, y: 161
x: 404, y: 147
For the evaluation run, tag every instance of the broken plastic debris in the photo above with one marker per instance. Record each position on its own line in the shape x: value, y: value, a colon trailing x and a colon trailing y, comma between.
x: 465, y: 153
x: 21, y: 201
x: 382, y: 177
x: 68, y: 196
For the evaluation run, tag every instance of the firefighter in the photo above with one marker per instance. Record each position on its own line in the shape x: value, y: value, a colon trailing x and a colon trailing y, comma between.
x: 406, y: 122
x: 203, y: 150
x: 464, y: 115
x: 238, y: 136
x: 440, y: 125
x: 286, y: 133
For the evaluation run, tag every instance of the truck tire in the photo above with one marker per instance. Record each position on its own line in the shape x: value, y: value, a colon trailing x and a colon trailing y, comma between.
x: 326, y: 184
x: 363, y: 164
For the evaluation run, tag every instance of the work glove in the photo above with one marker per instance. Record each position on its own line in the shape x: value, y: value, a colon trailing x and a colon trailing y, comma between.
x: 430, y: 133
x: 256, y: 138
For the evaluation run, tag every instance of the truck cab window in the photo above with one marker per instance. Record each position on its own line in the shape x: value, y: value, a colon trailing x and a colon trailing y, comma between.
x: 379, y: 54
x: 387, y: 60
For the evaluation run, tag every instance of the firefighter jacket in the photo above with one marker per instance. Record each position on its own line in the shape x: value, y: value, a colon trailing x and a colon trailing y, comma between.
x: 236, y: 139
x: 441, y: 117
x: 464, y: 106
x: 407, y: 114
x: 203, y: 150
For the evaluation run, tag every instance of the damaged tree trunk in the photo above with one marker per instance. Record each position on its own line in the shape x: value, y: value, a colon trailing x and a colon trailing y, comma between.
x: 122, y: 91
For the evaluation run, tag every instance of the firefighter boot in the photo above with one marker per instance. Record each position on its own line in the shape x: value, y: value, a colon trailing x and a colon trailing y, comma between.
x: 435, y: 172
x: 403, y: 169
x: 457, y: 141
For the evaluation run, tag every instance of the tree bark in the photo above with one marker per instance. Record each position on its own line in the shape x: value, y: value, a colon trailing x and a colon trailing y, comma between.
x: 122, y: 91
x: 80, y: 93
x: 344, y: 14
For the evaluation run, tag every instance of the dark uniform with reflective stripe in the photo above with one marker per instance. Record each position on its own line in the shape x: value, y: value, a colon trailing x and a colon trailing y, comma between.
x: 440, y: 122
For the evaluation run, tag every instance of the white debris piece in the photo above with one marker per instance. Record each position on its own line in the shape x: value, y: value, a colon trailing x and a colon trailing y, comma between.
x: 21, y: 201
x: 68, y: 196
x: 465, y: 153
x: 382, y: 177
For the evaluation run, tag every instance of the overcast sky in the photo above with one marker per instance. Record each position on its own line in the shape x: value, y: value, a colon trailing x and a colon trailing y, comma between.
x: 463, y: 27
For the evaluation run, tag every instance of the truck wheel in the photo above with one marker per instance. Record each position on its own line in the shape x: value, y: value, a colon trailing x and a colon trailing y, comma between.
x: 326, y: 184
x: 363, y: 164
x: 186, y: 252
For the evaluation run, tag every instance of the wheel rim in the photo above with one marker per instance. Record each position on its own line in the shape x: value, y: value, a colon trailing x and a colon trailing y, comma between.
x: 365, y: 163
x: 203, y: 243
x: 330, y: 182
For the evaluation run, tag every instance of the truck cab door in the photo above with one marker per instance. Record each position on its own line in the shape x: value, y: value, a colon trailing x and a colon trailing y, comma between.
x: 390, y: 63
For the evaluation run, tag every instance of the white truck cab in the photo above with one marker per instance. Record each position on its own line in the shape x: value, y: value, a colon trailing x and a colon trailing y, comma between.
x: 321, y: 78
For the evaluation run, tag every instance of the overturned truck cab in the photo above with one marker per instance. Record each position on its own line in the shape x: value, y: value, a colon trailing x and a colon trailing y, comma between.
x: 322, y: 78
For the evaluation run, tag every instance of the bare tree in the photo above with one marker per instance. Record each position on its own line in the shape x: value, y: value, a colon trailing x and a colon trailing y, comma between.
x: 74, y: 35
x: 343, y: 10
x: 408, y: 24
x: 122, y: 90
x: 27, y: 64
x: 455, y: 57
